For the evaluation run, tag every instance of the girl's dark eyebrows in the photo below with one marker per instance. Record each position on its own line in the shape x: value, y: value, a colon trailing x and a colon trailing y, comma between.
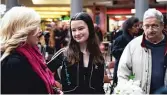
x: 80, y: 26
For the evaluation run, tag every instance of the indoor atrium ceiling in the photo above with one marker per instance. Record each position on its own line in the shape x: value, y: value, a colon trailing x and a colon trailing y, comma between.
x: 85, y: 2
x: 57, y: 8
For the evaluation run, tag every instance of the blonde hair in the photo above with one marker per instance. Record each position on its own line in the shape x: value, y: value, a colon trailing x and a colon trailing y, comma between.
x: 15, y: 25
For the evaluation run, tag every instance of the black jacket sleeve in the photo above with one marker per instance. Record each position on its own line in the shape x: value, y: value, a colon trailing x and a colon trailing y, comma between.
x: 13, y: 78
x: 56, y: 63
x: 19, y: 78
x: 118, y: 48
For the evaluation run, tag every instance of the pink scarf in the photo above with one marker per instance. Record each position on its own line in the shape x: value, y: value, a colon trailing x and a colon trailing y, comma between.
x: 38, y: 64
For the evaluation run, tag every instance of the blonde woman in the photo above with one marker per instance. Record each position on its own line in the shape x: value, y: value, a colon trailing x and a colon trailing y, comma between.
x: 23, y: 67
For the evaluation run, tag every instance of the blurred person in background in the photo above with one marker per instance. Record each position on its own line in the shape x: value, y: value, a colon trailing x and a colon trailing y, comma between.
x: 58, y: 36
x: 23, y: 68
x: 165, y: 26
x: 65, y: 37
x: 141, y: 31
x: 115, y: 33
x: 98, y: 32
x: 130, y: 29
x: 47, y: 33
x: 54, y: 26
x: 41, y: 43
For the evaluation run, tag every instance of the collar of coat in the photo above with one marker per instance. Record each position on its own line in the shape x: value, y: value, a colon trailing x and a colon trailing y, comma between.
x: 144, y: 45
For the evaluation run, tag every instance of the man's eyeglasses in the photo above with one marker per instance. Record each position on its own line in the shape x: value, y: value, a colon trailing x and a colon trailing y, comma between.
x: 153, y: 26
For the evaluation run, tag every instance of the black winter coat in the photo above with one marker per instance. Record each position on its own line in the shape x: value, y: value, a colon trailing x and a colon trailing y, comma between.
x: 76, y: 79
x: 18, y: 77
x: 117, y: 50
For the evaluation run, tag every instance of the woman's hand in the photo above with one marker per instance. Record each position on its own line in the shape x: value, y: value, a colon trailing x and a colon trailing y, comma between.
x: 60, y: 92
x: 58, y: 85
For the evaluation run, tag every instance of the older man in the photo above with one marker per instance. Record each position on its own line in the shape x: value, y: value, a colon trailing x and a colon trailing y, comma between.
x: 146, y: 55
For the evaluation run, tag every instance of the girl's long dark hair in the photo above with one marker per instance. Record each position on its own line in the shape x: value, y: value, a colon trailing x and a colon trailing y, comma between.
x: 92, y: 42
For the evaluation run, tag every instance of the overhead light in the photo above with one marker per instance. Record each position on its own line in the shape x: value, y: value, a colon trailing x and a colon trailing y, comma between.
x: 51, y: 8
x: 49, y: 19
x: 104, y: 2
x: 52, y: 13
x: 98, y: 2
x: 128, y: 16
x: 58, y: 2
x: 133, y: 11
x: 50, y: 16
x: 161, y: 0
x: 117, y: 16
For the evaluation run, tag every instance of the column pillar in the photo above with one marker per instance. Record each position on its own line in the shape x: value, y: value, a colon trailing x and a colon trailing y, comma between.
x: 76, y: 6
x: 11, y: 3
x: 141, y: 6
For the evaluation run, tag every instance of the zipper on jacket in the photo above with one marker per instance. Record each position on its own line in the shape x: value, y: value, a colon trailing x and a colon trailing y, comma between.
x: 91, y: 78
x: 77, y: 80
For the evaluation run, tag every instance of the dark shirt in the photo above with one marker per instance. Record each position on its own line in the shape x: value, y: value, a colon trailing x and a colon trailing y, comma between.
x: 85, y: 74
x: 18, y: 77
x: 158, y: 64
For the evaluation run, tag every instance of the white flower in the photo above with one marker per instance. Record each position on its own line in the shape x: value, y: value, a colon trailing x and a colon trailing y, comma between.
x: 130, y: 87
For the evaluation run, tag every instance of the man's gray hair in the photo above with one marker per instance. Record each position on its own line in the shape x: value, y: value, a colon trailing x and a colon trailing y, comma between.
x: 153, y: 13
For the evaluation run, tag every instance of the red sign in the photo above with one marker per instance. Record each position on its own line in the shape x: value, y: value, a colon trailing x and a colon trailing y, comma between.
x: 128, y: 11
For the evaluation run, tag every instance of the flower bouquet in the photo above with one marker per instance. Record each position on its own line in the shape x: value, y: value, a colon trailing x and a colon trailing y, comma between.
x: 131, y: 87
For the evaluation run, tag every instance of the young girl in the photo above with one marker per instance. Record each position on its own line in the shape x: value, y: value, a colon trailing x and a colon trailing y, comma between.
x: 82, y: 62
